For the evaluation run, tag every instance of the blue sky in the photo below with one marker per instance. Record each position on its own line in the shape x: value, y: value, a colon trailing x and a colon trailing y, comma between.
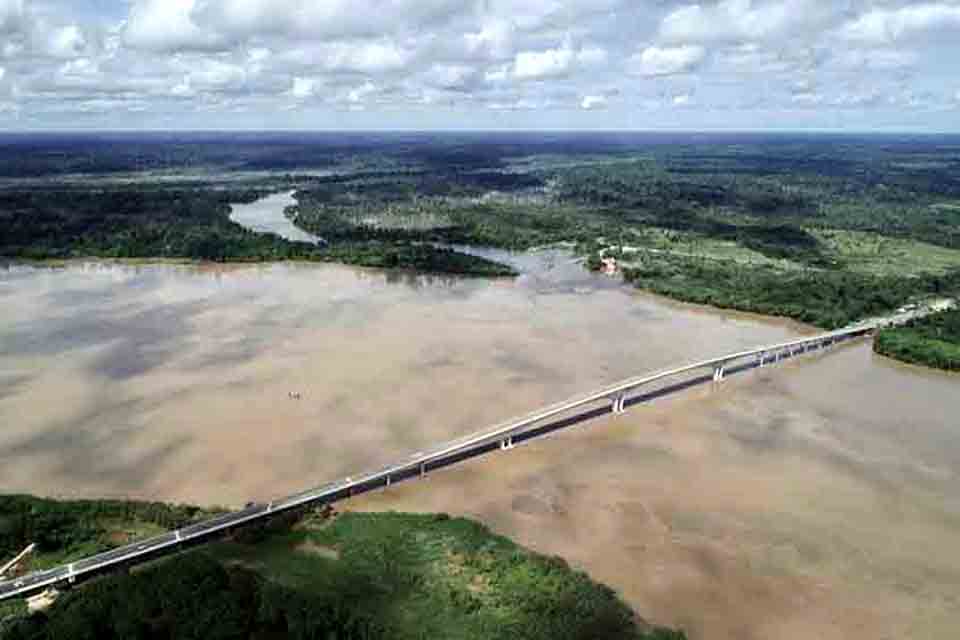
x: 466, y: 64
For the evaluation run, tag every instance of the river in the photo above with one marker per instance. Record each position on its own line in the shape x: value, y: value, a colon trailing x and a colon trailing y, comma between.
x: 815, y: 499
x: 266, y: 216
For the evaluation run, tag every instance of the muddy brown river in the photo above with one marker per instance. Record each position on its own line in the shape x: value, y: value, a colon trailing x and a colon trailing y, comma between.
x: 813, y: 500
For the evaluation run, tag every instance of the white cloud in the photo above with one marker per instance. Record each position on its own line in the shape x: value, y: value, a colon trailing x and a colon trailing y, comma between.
x: 200, y: 58
x: 303, y: 88
x: 493, y: 41
x: 314, y: 19
x: 351, y: 57
x: 167, y: 25
x: 214, y: 74
x: 79, y: 67
x: 555, y: 63
x: 593, y: 102
x: 880, y: 26
x: 63, y: 42
x: 740, y: 20
x: 592, y: 57
x: 183, y: 89
x: 11, y: 16
x: 536, y: 65
x: 876, y: 59
x: 520, y: 104
x: 664, y: 61
x: 452, y: 77
x: 359, y: 95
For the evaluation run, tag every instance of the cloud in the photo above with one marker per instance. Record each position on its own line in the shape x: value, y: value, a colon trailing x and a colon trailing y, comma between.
x: 664, y: 61
x: 167, y: 25
x: 555, y: 63
x: 740, y: 21
x: 535, y: 65
x: 63, y: 42
x: 493, y: 41
x: 593, y: 102
x: 314, y: 19
x: 11, y: 16
x: 303, y: 88
x: 350, y: 57
x: 883, y: 26
x: 876, y: 59
x: 451, y: 62
x: 453, y: 77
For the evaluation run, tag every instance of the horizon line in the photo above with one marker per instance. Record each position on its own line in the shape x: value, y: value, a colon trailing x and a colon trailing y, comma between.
x: 784, y: 130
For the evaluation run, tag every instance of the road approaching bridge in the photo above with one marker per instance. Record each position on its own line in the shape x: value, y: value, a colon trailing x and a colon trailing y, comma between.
x: 504, y: 436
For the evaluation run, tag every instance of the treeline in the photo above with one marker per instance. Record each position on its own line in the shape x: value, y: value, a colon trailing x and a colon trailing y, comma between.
x: 133, y: 222
x: 144, y: 221
x: 401, y: 254
x: 933, y: 341
x: 828, y: 299
x: 60, y: 527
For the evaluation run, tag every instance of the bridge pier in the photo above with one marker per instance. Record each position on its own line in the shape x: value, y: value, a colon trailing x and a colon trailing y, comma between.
x: 718, y: 373
x: 507, y: 444
x: 423, y: 469
x: 618, y: 404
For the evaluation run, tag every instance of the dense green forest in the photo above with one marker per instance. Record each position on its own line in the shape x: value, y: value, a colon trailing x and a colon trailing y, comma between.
x: 189, y: 222
x: 829, y: 299
x: 362, y: 576
x: 933, y: 341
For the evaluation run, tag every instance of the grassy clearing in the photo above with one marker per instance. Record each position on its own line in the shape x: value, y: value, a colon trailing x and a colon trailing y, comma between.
x: 694, y: 245
x: 875, y: 254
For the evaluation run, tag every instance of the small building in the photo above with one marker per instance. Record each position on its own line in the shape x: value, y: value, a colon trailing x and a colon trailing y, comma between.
x: 609, y: 266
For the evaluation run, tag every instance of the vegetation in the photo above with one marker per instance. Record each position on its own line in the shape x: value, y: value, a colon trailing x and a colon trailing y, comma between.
x: 68, y: 530
x: 824, y: 229
x: 362, y: 576
x: 151, y: 221
x: 933, y: 341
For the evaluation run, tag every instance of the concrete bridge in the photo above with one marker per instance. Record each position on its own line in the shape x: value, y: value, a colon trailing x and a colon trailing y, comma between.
x: 504, y: 436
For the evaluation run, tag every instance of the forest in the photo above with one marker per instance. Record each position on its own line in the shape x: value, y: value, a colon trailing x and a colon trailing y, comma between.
x: 320, y: 576
x: 933, y: 341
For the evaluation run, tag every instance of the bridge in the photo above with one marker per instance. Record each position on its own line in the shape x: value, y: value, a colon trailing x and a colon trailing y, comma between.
x: 615, y: 398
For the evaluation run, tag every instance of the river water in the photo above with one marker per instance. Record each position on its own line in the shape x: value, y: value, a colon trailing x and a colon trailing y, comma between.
x: 816, y: 499
x: 266, y: 216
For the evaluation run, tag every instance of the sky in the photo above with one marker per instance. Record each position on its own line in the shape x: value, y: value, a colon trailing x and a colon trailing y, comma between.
x: 854, y: 65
